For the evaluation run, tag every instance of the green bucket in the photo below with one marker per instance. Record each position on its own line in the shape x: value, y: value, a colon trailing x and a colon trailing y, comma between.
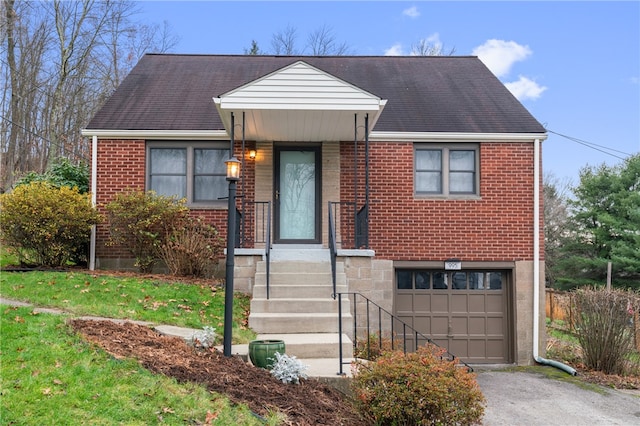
x: 262, y: 352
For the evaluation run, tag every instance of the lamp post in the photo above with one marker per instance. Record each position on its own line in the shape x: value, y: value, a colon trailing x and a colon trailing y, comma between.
x: 233, y: 174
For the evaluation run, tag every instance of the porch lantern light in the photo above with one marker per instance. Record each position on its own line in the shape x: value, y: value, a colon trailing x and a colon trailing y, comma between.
x: 233, y: 174
x: 233, y: 169
x: 252, y: 154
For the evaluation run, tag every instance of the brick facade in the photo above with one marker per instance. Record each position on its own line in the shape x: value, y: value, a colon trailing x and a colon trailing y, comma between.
x: 496, y: 226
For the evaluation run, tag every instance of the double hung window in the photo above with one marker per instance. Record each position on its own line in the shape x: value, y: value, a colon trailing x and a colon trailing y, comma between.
x: 194, y: 171
x: 446, y: 170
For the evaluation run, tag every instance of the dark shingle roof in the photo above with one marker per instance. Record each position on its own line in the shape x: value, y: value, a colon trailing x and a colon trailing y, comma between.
x: 425, y: 94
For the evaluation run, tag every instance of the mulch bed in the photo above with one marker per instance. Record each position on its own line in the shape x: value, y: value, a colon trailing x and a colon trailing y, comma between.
x: 309, y: 403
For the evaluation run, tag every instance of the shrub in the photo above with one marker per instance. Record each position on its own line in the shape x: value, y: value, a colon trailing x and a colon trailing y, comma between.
x: 418, y: 388
x: 192, y: 250
x: 205, y: 338
x: 50, y: 224
x: 288, y: 369
x: 62, y: 172
x: 602, y: 323
x: 371, y: 348
x: 142, y: 222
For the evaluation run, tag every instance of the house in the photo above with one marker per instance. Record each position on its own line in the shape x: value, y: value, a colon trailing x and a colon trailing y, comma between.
x: 414, y: 181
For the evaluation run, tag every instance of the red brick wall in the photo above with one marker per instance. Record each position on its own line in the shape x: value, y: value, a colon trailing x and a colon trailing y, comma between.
x: 121, y: 167
x: 495, y: 227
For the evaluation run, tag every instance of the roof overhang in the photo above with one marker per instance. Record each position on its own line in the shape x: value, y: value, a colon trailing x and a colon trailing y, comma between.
x: 299, y: 103
x: 454, y: 137
x: 157, y: 134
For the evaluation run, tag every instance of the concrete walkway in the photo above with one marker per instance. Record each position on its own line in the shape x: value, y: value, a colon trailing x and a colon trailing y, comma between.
x: 325, y: 368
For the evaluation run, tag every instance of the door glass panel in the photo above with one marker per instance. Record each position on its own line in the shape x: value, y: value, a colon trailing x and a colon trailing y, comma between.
x: 297, y: 195
x: 404, y: 280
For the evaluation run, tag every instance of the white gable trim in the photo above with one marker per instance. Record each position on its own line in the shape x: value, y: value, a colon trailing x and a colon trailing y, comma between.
x: 299, y: 86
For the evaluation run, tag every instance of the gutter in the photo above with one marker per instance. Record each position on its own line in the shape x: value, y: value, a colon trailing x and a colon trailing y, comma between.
x: 536, y: 266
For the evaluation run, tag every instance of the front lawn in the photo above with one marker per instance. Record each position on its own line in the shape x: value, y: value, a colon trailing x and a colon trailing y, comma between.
x: 50, y: 375
x: 158, y: 300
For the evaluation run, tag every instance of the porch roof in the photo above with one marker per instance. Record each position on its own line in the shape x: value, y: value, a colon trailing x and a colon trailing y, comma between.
x: 299, y: 103
x: 173, y: 94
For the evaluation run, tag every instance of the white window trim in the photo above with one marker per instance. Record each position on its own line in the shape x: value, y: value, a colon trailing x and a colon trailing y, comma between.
x: 189, y: 146
x: 445, y: 148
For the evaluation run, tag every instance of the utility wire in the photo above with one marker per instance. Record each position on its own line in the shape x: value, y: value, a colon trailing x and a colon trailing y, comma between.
x: 69, y: 152
x: 594, y: 146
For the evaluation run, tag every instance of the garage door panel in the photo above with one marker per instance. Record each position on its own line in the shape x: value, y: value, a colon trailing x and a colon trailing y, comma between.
x: 495, y: 302
x: 422, y: 303
x: 439, y: 325
x: 459, y: 347
x: 459, y: 303
x: 423, y: 323
x: 478, y: 326
x: 478, y: 348
x: 495, y: 349
x: 404, y: 303
x: 439, y: 301
x: 477, y: 303
x: 495, y: 326
x: 459, y: 325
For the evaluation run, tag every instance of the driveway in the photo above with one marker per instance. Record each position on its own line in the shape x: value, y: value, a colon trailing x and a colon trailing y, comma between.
x: 523, y: 398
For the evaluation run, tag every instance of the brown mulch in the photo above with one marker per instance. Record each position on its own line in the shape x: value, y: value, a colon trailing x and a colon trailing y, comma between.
x: 309, y: 403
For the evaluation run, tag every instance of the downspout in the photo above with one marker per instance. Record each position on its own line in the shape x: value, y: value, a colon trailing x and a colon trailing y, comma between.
x: 536, y: 265
x: 94, y: 188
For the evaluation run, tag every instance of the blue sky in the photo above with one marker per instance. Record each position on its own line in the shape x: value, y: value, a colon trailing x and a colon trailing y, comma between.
x: 574, y: 65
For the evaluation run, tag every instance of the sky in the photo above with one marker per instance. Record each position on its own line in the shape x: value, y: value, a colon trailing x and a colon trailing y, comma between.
x: 574, y: 65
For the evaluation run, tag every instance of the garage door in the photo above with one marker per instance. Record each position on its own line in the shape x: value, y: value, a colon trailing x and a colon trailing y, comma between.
x: 462, y: 311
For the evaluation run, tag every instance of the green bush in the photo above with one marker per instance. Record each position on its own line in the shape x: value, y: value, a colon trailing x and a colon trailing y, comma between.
x: 193, y: 250
x: 603, y: 327
x: 49, y: 225
x: 142, y: 222
x: 62, y: 172
x: 418, y: 388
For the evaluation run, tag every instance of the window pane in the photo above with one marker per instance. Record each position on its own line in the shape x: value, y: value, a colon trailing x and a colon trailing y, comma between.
x: 169, y: 161
x: 422, y: 280
x: 462, y: 160
x: 210, y: 188
x: 169, y: 185
x: 429, y: 159
x: 459, y: 280
x: 429, y: 182
x: 476, y: 280
x: 461, y: 182
x: 495, y: 280
x: 439, y: 280
x: 210, y: 161
x: 403, y: 279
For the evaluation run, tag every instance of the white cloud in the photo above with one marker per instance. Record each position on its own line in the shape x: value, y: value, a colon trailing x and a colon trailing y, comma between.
x: 395, y: 50
x: 411, y: 12
x: 500, y: 55
x: 525, y: 88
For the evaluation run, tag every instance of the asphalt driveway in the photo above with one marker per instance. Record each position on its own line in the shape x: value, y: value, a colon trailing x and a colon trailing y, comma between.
x: 523, y: 398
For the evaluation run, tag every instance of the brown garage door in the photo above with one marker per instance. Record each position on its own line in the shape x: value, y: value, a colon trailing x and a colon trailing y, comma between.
x: 462, y: 311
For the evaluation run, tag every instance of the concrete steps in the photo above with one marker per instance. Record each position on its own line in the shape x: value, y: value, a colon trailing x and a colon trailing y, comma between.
x: 300, y: 309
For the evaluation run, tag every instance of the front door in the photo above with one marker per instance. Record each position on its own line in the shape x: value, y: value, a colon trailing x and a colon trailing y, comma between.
x: 297, y: 195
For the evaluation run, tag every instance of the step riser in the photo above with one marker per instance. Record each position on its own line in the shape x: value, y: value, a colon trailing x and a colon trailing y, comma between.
x: 296, y: 292
x: 298, y: 306
x: 285, y: 325
x: 298, y: 267
x: 319, y: 350
x: 298, y: 278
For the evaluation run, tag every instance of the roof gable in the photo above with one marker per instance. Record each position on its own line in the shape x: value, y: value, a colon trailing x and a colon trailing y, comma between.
x: 299, y: 86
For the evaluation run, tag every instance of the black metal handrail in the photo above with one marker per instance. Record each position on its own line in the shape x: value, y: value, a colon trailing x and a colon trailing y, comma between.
x: 393, y: 333
x: 333, y: 249
x: 260, y: 219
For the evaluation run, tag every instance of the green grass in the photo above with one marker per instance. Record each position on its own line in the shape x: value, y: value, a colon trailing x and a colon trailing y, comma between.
x: 49, y: 375
x: 160, y: 302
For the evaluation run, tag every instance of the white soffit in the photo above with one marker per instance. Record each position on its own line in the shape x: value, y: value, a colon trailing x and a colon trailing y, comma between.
x: 299, y: 103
